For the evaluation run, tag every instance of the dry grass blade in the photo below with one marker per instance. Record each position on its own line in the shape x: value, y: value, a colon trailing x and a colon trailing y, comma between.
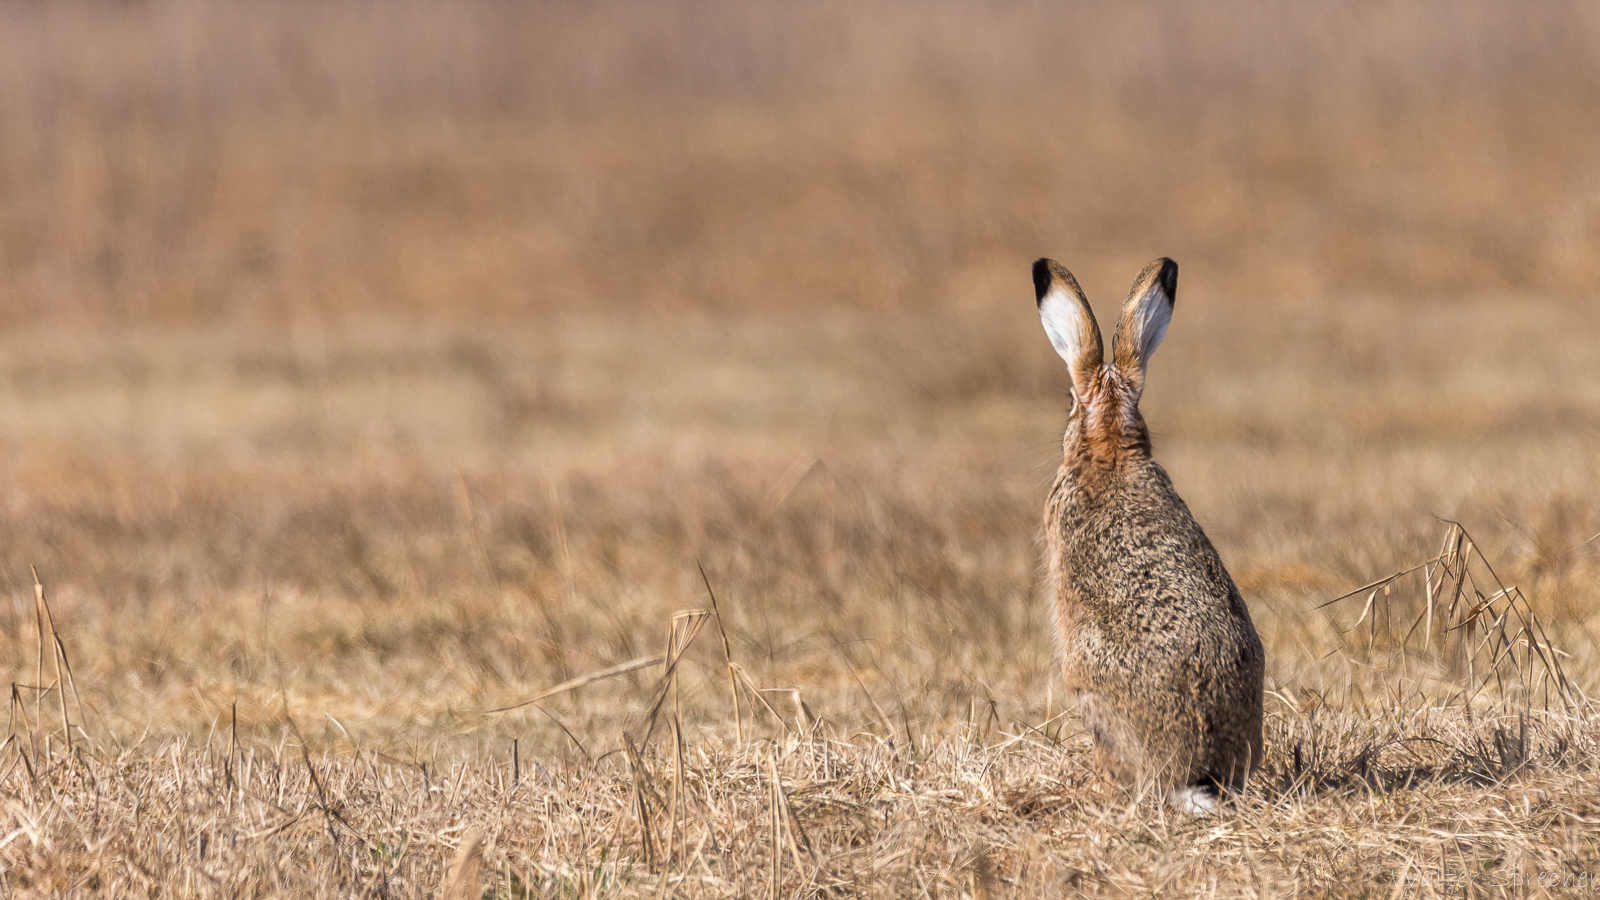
x: 1513, y: 651
x: 18, y: 709
x: 58, y: 655
x: 644, y: 801
x: 461, y: 882
x: 775, y: 824
x: 984, y: 884
x: 685, y: 626
x: 632, y: 665
x: 787, y: 484
x: 794, y: 831
x: 1375, y: 585
x: 759, y: 694
x: 727, y: 653
x: 39, y: 632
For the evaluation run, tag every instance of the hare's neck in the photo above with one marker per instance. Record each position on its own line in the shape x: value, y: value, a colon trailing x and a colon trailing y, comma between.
x: 1108, y: 429
x: 1098, y: 446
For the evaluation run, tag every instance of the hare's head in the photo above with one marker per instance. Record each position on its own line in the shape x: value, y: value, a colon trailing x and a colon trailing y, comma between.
x: 1105, y: 424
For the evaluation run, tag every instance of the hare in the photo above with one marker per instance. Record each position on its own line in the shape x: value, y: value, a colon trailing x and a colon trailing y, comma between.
x: 1155, y: 640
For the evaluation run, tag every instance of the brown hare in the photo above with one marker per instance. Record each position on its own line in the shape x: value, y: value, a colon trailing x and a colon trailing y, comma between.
x: 1155, y: 640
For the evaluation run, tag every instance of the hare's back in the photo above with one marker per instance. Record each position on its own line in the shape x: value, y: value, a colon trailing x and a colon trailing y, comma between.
x: 1144, y: 568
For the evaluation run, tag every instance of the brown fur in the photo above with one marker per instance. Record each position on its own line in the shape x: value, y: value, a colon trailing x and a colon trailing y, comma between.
x: 1156, y: 641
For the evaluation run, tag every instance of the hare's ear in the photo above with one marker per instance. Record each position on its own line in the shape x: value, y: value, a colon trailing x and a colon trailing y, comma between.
x: 1068, y: 321
x: 1145, y: 317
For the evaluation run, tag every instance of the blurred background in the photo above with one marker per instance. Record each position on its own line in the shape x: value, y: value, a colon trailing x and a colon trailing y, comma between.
x: 390, y: 358
x: 181, y: 161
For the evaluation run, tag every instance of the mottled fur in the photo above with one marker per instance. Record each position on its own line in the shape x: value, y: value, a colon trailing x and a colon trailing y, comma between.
x: 1155, y: 639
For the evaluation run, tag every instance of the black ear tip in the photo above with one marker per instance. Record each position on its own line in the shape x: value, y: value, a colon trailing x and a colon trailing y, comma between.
x: 1168, y: 278
x: 1041, y: 279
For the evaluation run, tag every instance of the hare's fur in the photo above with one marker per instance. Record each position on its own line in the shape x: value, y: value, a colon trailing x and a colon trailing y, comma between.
x: 1155, y: 640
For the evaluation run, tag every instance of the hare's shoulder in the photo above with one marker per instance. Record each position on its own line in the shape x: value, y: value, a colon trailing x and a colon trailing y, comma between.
x: 1143, y: 520
x: 1141, y: 547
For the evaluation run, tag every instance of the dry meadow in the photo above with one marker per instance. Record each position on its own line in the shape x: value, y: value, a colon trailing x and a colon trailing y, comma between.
x: 370, y: 370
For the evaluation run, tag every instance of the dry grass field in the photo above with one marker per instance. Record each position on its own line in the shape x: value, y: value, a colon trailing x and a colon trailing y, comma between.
x: 371, y: 368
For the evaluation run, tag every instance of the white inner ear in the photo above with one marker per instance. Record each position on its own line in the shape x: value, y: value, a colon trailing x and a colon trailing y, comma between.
x: 1064, y: 323
x: 1150, y: 320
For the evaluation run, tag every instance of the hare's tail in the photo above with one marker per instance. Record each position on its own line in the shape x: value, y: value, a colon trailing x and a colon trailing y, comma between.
x: 1198, y: 800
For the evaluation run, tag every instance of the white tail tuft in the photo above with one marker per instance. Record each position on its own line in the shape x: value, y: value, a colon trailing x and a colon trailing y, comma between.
x: 1196, y: 801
